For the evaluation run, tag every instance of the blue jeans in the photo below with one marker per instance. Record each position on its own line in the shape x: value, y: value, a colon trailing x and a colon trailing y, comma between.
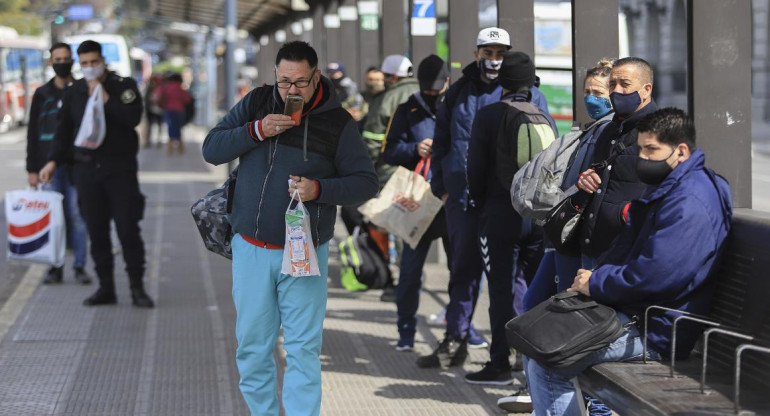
x: 466, y: 267
x: 554, y: 393
x: 410, y: 276
x: 76, y: 227
x: 174, y: 120
x: 264, y: 301
x: 555, y: 274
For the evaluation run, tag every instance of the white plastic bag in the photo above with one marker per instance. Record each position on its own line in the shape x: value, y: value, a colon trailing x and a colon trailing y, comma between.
x: 93, y: 127
x: 406, y: 206
x: 299, y: 257
x: 36, y: 230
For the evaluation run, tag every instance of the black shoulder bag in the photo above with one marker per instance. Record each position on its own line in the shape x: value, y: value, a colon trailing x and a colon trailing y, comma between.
x: 562, y: 330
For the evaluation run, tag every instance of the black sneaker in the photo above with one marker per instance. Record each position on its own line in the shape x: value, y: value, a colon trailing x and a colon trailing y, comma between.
x: 518, y: 402
x: 450, y: 352
x: 141, y: 299
x: 81, y: 276
x: 388, y: 294
x: 54, y: 276
x: 490, y: 375
x: 101, y: 297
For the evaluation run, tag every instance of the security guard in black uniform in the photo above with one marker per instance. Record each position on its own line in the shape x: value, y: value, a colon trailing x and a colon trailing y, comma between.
x: 106, y: 177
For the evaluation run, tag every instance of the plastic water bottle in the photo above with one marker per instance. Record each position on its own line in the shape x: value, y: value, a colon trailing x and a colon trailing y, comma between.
x: 392, y: 252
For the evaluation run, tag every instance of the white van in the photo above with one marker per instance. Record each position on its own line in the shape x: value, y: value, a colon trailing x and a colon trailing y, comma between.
x: 114, y: 49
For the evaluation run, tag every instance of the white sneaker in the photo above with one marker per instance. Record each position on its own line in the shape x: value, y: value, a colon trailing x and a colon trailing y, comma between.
x: 518, y: 402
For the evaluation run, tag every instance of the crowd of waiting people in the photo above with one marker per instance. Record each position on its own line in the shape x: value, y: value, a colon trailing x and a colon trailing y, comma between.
x: 651, y: 234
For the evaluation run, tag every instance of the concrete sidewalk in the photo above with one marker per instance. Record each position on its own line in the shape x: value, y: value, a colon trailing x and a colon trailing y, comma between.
x: 60, y: 358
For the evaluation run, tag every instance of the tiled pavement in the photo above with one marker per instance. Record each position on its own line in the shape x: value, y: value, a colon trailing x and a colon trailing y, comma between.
x: 60, y: 358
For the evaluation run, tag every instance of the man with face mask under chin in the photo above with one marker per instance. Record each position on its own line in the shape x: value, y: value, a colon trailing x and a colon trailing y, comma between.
x: 613, y: 187
x: 105, y: 177
x: 665, y: 255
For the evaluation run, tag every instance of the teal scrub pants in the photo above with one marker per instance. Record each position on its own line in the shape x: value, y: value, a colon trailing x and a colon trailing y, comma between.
x: 264, y: 301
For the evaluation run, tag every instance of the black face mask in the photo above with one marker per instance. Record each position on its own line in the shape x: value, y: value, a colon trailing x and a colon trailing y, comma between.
x: 432, y: 101
x: 63, y: 69
x: 653, y: 172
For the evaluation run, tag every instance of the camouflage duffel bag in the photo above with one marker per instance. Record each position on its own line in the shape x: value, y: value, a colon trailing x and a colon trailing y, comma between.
x: 210, y: 215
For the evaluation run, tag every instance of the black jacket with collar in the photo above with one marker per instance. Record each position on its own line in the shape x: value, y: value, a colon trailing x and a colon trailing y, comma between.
x: 122, y: 112
x: 42, y: 124
x: 603, y: 219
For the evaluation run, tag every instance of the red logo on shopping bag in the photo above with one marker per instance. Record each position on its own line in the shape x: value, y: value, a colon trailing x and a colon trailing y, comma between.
x: 408, y: 203
x: 22, y: 203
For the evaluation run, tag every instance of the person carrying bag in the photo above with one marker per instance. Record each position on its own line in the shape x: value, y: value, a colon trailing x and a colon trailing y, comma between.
x: 406, y: 206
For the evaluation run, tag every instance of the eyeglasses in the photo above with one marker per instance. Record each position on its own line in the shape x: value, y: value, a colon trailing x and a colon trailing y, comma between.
x: 302, y: 83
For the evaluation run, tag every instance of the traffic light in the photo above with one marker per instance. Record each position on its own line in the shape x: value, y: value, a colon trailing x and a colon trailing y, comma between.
x: 58, y: 20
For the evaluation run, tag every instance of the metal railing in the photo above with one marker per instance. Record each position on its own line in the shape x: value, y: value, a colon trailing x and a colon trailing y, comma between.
x: 716, y: 328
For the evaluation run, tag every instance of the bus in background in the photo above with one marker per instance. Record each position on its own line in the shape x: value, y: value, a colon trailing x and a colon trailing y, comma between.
x: 114, y: 49
x: 22, y: 71
x: 553, y: 57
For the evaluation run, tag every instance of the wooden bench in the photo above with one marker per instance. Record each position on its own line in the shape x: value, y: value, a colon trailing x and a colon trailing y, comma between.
x: 741, y: 300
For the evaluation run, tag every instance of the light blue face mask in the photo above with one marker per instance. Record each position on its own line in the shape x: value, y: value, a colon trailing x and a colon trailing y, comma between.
x: 597, y: 107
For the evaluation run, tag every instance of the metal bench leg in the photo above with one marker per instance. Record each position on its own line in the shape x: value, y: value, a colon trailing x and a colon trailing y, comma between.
x: 706, y: 336
x: 738, y: 352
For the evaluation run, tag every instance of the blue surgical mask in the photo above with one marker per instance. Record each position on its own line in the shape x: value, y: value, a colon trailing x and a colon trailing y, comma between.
x: 625, y: 104
x: 597, y: 107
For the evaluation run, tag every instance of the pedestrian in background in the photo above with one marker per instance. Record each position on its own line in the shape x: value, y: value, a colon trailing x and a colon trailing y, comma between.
x: 173, y: 99
x: 326, y: 162
x: 105, y: 177
x: 153, y: 111
x: 46, y: 103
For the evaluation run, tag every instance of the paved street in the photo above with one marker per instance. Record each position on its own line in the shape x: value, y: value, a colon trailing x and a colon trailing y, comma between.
x: 60, y: 358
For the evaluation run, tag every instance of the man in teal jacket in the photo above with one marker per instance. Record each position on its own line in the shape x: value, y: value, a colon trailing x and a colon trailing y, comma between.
x: 324, y: 160
x: 666, y: 255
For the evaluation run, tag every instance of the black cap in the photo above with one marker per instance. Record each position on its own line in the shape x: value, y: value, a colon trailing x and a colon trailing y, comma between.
x: 432, y: 73
x: 517, y: 71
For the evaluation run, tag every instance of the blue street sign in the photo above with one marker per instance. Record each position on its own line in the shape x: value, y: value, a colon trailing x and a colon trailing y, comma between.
x: 424, y: 8
x: 80, y: 12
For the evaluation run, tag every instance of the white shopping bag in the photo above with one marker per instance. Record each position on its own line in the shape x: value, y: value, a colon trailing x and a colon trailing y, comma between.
x: 299, y: 257
x: 36, y: 231
x: 406, y: 206
x: 93, y: 127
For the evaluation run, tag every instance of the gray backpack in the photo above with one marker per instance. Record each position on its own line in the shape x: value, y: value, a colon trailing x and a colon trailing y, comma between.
x: 536, y: 187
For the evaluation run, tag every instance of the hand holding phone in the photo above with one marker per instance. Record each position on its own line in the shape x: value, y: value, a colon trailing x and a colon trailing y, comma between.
x: 293, y: 107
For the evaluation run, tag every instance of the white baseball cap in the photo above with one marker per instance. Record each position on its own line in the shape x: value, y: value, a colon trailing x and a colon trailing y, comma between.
x: 398, y: 65
x: 493, y: 36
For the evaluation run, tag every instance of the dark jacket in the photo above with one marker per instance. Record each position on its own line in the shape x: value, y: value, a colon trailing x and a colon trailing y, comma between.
x: 453, y: 129
x: 603, y: 219
x: 484, y: 188
x: 43, y: 119
x: 336, y: 157
x: 122, y: 113
x: 377, y: 123
x: 412, y: 123
x: 668, y: 252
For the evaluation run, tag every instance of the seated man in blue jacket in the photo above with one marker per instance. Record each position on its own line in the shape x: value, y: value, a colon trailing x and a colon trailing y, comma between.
x: 665, y: 255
